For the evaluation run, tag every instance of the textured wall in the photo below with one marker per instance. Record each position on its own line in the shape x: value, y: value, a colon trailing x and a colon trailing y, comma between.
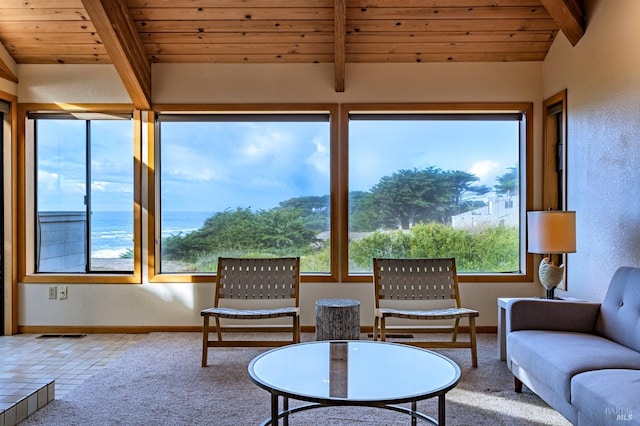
x: 602, y: 77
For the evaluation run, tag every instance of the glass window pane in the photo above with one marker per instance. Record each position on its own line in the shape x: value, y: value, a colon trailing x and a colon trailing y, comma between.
x: 64, y: 232
x: 244, y: 188
x: 435, y: 188
x: 61, y: 220
x: 111, y: 195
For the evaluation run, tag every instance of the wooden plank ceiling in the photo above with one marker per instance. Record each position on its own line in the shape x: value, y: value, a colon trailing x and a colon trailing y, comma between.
x: 132, y: 34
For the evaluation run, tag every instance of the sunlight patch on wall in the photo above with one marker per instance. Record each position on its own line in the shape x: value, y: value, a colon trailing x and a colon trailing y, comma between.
x: 173, y: 292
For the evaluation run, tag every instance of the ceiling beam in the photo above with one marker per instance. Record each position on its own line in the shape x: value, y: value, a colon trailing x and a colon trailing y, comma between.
x: 5, y: 69
x: 340, y: 32
x: 123, y: 44
x: 569, y: 16
x: 6, y: 73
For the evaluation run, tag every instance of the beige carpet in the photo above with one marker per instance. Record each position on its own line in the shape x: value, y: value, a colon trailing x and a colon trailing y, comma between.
x: 159, y: 381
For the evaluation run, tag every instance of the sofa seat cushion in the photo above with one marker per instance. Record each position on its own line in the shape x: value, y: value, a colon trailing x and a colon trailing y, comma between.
x: 607, y: 397
x: 554, y: 357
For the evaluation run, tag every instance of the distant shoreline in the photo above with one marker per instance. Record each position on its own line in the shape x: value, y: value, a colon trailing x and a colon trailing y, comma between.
x: 119, y: 264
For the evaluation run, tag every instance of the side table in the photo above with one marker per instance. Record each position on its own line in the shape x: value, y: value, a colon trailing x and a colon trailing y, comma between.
x: 337, y: 319
x: 502, y: 320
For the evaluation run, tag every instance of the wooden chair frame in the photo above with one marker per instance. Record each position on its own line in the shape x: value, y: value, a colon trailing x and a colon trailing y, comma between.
x: 420, y: 282
x: 274, y: 281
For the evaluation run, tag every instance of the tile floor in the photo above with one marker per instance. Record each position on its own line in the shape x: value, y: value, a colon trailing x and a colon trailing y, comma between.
x: 34, y: 369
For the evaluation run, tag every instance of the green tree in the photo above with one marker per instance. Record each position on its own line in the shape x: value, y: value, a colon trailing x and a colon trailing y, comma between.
x: 395, y: 243
x: 508, y: 183
x: 491, y: 249
x: 408, y: 197
x: 439, y: 240
x: 242, y: 231
x: 314, y: 211
x: 460, y: 186
x: 282, y: 229
x: 363, y: 215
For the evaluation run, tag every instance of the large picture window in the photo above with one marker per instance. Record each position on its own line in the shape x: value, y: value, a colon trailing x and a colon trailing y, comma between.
x: 84, y: 193
x: 243, y: 184
x: 436, y: 184
x: 334, y: 184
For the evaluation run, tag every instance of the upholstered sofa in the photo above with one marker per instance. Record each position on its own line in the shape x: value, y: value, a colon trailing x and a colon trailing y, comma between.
x: 581, y: 358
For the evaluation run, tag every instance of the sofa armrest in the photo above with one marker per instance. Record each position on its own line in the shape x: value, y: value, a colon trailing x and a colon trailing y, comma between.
x: 557, y: 315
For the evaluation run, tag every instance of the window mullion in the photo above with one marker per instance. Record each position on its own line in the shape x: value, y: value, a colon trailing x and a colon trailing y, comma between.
x: 87, y: 198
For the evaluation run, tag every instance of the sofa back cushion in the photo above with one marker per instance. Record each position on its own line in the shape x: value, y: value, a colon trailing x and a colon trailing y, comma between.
x: 619, y: 318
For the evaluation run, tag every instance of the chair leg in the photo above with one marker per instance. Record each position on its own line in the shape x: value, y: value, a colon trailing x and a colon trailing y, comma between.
x: 205, y: 340
x: 454, y: 336
x: 472, y: 338
x: 296, y: 329
x: 375, y: 329
x: 218, y: 329
x: 383, y: 329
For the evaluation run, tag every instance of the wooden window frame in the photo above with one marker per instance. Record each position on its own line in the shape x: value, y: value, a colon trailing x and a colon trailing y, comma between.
x: 554, y: 160
x: 338, y: 185
x: 27, y: 206
x: 526, y: 176
x: 156, y: 276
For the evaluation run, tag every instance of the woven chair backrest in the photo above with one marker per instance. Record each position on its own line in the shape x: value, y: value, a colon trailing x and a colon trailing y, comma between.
x: 253, y: 278
x: 415, y: 279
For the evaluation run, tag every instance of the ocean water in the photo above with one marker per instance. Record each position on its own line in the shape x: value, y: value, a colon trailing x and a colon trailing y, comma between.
x: 112, y: 232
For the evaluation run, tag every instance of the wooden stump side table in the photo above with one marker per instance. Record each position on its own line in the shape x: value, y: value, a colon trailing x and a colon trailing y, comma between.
x: 337, y: 319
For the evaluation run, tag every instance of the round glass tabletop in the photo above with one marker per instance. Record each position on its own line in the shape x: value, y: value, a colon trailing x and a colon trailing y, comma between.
x: 368, y: 372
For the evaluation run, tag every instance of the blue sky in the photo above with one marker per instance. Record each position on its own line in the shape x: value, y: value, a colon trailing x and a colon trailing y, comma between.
x: 214, y: 166
x: 61, y: 154
x: 485, y: 149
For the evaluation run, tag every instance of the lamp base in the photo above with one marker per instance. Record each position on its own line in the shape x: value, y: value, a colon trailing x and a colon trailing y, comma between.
x: 550, y: 294
x: 550, y: 276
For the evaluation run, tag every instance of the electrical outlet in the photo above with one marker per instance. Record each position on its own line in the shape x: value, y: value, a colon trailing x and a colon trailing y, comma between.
x: 53, y: 292
x: 62, y: 292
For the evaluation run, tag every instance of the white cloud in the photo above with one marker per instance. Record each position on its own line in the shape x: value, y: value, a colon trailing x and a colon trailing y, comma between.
x: 111, y: 187
x: 192, y: 165
x: 48, y: 180
x: 265, y: 143
x: 485, y: 170
x: 319, y: 159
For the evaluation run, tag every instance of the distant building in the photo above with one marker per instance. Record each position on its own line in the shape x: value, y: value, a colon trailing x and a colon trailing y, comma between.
x: 499, y: 211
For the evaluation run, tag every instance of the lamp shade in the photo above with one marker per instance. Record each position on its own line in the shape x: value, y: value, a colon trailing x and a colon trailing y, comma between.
x: 551, y: 232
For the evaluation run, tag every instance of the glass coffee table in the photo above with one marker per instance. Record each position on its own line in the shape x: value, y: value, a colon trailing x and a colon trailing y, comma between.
x: 354, y: 373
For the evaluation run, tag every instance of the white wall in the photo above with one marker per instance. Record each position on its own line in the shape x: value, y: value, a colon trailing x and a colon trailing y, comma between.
x: 180, y: 304
x: 602, y: 77
x: 310, y: 83
x: 70, y: 84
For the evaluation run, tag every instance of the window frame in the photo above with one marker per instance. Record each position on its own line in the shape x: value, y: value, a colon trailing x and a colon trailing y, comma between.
x: 155, y: 275
x: 145, y: 132
x: 26, y: 198
x: 526, y: 174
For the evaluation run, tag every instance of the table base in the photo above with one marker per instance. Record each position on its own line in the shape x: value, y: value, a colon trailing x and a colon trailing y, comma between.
x: 276, y: 414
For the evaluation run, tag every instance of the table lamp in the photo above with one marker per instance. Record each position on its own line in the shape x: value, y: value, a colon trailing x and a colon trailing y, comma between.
x: 551, y: 232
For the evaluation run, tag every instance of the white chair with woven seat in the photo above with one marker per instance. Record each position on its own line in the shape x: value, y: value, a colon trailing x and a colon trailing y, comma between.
x: 424, y: 290
x: 254, y: 289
